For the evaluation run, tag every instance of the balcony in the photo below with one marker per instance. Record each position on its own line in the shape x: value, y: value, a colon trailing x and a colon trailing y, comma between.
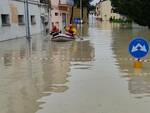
x: 45, y: 1
x: 63, y: 8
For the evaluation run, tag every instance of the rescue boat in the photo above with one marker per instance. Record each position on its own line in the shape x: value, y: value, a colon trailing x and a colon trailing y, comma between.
x: 62, y: 37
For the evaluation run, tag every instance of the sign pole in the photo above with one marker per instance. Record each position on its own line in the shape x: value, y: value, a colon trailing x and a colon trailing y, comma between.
x: 138, y: 64
x: 81, y: 11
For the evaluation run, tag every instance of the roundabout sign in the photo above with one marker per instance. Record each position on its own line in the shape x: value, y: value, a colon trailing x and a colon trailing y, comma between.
x: 138, y: 48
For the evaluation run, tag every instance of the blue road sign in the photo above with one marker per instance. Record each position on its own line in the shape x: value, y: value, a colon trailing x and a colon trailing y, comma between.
x: 76, y: 20
x: 138, y: 48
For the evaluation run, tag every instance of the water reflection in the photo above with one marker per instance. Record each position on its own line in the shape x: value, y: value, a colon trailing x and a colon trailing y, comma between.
x: 22, y: 52
x: 7, y: 59
x: 36, y: 71
x: 83, y: 30
x: 82, y: 51
x: 106, y: 25
x: 138, y: 79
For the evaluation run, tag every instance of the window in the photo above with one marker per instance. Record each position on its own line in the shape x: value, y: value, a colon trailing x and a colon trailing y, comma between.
x: 44, y: 1
x: 112, y: 11
x: 5, y: 19
x: 33, y: 20
x: 56, y: 14
x: 21, y: 20
x: 57, y: 23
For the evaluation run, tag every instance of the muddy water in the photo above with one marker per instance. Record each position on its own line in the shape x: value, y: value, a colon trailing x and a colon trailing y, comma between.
x: 91, y: 76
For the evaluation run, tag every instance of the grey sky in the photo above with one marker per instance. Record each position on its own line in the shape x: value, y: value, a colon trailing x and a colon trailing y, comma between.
x: 95, y: 1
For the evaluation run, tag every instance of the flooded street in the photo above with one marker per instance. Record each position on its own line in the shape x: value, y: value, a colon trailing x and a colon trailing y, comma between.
x: 95, y: 75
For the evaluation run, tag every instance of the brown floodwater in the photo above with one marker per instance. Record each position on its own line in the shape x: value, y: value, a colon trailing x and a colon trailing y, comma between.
x: 95, y: 75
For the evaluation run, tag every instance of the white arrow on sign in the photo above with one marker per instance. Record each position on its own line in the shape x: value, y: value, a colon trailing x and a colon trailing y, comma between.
x: 136, y: 48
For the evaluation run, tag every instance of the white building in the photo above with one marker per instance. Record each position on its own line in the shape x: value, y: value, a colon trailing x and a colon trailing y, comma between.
x: 104, y: 11
x: 13, y: 18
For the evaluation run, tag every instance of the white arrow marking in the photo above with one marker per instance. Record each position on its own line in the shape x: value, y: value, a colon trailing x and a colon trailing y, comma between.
x: 136, y: 48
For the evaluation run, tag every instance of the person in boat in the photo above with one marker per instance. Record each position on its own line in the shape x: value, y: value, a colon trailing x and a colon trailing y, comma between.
x: 55, y: 31
x: 70, y: 30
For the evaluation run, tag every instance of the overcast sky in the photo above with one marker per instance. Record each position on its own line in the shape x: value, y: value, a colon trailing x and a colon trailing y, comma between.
x: 95, y: 1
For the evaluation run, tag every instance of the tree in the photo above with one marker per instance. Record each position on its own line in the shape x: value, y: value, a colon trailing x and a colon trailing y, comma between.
x: 137, y: 10
x: 92, y: 8
x: 85, y: 3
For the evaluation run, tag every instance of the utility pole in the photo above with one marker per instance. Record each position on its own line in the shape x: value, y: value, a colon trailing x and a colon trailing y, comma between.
x: 81, y: 11
x: 49, y: 14
x: 28, y: 35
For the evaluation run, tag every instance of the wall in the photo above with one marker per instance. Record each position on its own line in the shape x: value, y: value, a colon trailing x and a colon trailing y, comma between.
x: 104, y: 11
x: 56, y: 19
x: 62, y: 8
x: 14, y: 8
x: 98, y: 10
x: 76, y: 14
x: 66, y: 11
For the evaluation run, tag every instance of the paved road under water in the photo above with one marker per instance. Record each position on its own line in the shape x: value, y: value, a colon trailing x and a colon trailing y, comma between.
x: 91, y: 76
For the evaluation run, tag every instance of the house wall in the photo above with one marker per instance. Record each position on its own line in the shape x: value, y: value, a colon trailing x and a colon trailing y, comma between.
x: 76, y: 14
x: 65, y: 10
x: 57, y: 20
x: 104, y: 11
x: 15, y: 8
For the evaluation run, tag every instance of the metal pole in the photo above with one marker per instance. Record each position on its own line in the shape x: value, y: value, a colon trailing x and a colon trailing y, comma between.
x: 28, y: 35
x: 49, y: 14
x: 81, y: 11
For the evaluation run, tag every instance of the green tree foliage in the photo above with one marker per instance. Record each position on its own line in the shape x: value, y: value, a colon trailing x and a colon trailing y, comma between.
x: 92, y: 8
x: 85, y: 3
x: 137, y: 10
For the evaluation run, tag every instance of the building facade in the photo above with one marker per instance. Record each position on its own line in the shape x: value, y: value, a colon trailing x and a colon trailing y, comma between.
x: 13, y: 18
x: 105, y: 12
x: 77, y: 14
x: 61, y: 12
